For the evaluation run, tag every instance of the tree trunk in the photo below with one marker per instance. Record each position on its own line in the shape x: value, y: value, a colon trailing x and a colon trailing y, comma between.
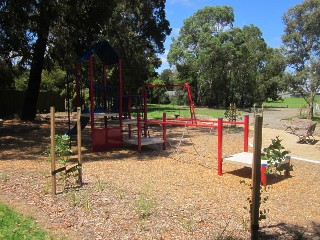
x: 30, y: 102
x: 310, y: 103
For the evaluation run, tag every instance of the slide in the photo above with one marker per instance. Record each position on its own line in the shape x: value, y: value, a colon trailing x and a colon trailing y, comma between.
x: 84, y: 122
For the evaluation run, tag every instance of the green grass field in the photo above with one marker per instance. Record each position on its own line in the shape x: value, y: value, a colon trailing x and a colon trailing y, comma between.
x: 289, y: 103
x: 155, y: 110
x: 14, y: 226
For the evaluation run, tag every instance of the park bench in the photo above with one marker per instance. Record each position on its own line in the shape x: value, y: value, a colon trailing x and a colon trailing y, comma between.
x: 306, y: 134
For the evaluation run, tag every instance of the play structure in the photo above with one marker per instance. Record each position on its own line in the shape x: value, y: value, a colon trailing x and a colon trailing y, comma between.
x: 105, y: 100
x: 109, y: 114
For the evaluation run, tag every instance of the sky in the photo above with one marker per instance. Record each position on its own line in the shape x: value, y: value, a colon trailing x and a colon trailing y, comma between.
x: 264, y: 14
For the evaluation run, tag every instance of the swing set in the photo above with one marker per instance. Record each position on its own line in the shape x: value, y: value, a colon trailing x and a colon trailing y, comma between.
x: 142, y: 124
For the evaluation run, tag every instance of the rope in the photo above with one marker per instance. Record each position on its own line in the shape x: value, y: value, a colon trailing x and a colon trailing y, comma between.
x: 200, y: 158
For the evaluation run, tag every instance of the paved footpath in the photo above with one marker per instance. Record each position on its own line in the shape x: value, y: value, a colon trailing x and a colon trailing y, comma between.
x: 273, y: 126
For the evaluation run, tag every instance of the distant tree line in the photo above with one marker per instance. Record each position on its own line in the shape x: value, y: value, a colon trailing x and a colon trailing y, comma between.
x: 50, y: 35
x: 226, y: 64
x: 40, y: 40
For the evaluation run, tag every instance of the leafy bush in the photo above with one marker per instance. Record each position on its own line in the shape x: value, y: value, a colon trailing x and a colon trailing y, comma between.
x: 275, y: 155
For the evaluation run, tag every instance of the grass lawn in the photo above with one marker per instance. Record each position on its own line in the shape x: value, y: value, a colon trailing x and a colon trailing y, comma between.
x: 289, y: 103
x: 14, y: 226
x: 156, y: 110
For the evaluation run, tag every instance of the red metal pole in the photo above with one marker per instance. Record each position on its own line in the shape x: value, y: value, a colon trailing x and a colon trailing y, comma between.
x: 144, y: 89
x: 192, y: 112
x: 220, y: 131
x: 129, y: 114
x: 164, y: 127
x: 264, y: 175
x: 246, y: 133
x: 139, y: 132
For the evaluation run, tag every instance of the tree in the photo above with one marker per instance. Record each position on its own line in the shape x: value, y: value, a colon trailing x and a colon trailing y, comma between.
x: 189, y: 53
x: 302, y: 47
x: 136, y: 29
x: 167, y: 76
x: 225, y: 64
x: 54, y: 32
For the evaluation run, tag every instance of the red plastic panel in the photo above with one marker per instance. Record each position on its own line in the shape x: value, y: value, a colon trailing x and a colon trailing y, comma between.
x: 106, y: 138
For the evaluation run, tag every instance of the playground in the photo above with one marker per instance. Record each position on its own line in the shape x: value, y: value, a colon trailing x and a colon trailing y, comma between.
x: 142, y: 178
x: 159, y: 194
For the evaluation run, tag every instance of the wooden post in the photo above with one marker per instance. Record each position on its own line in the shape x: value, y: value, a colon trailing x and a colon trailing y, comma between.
x: 220, y: 132
x: 288, y: 161
x: 256, y: 177
x: 52, y: 150
x: 79, y: 145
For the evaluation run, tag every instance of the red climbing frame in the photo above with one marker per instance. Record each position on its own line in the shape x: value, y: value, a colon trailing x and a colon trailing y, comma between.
x: 107, y: 137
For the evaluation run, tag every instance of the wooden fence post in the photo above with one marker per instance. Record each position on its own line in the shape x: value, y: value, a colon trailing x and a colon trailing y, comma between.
x: 52, y: 150
x: 256, y: 177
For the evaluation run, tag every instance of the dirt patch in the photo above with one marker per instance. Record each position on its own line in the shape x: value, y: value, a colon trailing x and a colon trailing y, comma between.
x: 172, y: 194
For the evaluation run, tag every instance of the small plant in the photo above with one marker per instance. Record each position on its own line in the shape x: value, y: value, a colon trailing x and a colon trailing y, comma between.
x: 263, y: 200
x: 187, y: 223
x: 75, y: 199
x: 62, y: 148
x: 4, y: 177
x: 144, y: 206
x: 87, y: 202
x: 100, y: 185
x: 232, y: 114
x: 47, y: 187
x: 221, y: 235
x: 275, y: 155
x: 121, y: 193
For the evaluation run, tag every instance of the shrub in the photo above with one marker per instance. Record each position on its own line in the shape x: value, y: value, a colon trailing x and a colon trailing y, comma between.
x: 275, y: 155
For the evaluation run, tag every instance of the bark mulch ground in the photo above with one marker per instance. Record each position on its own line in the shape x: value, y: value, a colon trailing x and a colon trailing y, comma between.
x: 172, y: 194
